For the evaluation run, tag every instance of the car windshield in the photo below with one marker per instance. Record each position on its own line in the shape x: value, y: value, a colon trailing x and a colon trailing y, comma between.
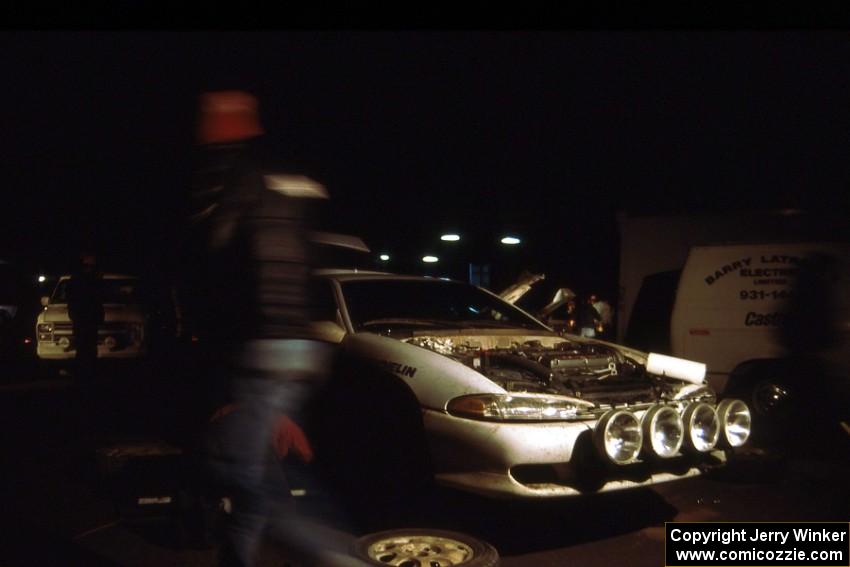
x: 429, y: 304
x: 113, y: 290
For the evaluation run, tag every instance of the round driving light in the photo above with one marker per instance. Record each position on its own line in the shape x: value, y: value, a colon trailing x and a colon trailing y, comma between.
x: 663, y: 431
x: 735, y: 422
x: 64, y: 342
x: 702, y: 428
x: 110, y: 342
x: 618, y: 436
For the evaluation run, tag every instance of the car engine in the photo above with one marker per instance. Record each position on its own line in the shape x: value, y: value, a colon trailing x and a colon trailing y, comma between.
x: 591, y: 371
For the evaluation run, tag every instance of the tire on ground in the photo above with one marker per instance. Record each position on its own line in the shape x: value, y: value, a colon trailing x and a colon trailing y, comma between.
x: 424, y: 547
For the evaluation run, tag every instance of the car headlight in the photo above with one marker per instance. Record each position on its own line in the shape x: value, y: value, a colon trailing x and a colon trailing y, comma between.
x: 663, y: 431
x: 702, y: 428
x: 618, y: 436
x: 735, y: 422
x: 45, y: 331
x: 517, y: 407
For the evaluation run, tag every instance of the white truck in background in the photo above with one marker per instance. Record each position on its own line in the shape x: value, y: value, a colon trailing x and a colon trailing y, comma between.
x: 732, y: 301
x: 694, y: 287
x: 720, y: 289
x: 653, y: 251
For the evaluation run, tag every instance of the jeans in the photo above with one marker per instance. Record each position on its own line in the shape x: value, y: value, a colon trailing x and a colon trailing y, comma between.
x: 273, y: 377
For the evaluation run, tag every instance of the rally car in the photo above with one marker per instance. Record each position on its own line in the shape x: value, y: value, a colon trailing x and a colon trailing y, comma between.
x: 478, y: 395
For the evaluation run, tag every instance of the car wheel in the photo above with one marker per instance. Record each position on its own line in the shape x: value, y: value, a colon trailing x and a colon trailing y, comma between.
x: 420, y: 547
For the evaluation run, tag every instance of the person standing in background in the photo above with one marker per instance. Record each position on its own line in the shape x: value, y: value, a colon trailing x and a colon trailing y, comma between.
x: 85, y: 309
x: 606, y: 315
x: 588, y: 317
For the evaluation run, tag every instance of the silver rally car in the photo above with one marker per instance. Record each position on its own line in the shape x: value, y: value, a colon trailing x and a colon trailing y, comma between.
x: 510, y: 408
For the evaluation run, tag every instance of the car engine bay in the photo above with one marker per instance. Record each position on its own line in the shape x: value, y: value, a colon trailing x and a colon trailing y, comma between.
x: 594, y: 372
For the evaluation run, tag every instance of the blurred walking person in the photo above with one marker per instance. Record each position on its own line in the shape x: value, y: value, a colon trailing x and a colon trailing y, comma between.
x: 248, y: 304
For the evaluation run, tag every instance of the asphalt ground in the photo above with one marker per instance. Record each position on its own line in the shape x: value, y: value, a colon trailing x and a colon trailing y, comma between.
x: 60, y: 508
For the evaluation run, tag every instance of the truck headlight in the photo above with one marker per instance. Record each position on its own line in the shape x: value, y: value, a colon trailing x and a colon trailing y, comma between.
x: 702, y: 428
x: 517, y: 407
x: 45, y: 331
x: 618, y: 436
x: 663, y: 431
x: 735, y: 422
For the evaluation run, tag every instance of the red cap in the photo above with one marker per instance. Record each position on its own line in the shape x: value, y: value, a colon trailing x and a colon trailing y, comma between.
x: 228, y: 116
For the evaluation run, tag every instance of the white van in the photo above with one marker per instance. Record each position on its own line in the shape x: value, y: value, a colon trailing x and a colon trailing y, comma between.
x: 732, y: 300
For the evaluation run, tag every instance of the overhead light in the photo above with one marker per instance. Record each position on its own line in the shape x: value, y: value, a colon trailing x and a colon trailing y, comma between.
x: 430, y: 259
x: 42, y: 279
x: 450, y: 237
x: 510, y: 240
x: 384, y: 257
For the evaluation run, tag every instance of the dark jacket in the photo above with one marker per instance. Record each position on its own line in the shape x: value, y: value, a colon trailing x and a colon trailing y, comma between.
x: 248, y: 260
x: 587, y: 315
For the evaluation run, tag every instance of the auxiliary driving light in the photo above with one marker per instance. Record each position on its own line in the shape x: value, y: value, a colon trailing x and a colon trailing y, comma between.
x: 663, y: 431
x: 735, y: 422
x: 618, y: 436
x: 702, y: 428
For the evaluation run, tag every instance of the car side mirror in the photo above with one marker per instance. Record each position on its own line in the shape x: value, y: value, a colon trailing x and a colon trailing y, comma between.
x: 328, y: 331
x: 45, y: 300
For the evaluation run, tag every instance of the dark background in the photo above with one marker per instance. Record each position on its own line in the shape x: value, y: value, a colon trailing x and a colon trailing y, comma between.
x: 544, y: 134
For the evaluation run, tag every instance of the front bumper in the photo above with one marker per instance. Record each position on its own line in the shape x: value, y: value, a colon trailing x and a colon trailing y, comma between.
x: 122, y: 345
x: 540, y: 460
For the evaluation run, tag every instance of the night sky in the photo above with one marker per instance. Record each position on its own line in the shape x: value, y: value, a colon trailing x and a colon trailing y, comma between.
x: 544, y: 134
